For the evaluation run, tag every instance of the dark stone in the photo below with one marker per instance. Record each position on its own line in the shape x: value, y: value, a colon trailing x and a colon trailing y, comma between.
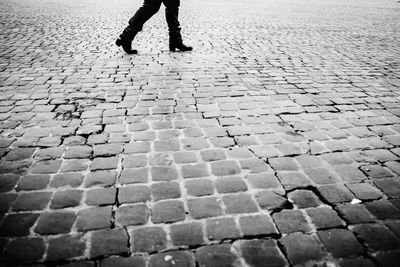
x: 137, y: 214
x: 289, y: 221
x: 24, y: 250
x: 216, y: 255
x: 172, y: 259
x: 132, y: 261
x: 301, y: 248
x: 187, y: 234
x: 66, y: 199
x: 17, y: 224
x: 58, y: 222
x: 223, y: 228
x: 239, y: 203
x: 65, y: 247
x: 31, y: 201
x: 340, y: 243
x: 168, y: 211
x: 262, y: 253
x: 148, y: 239
x: 204, y: 207
x: 94, y: 218
x: 324, y: 217
x: 108, y: 242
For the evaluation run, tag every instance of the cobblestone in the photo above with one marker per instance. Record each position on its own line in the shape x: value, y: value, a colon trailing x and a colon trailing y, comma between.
x: 275, y: 142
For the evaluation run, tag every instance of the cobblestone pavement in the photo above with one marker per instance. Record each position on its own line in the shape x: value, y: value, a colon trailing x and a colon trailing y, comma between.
x: 276, y: 142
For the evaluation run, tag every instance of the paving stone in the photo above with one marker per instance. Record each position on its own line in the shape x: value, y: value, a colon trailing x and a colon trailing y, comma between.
x: 383, y: 209
x: 66, y: 179
x: 6, y: 200
x: 164, y: 173
x: 65, y: 247
x: 335, y: 193
x: 46, y: 167
x: 66, y: 199
x: 255, y: 165
x: 172, y: 258
x: 166, y: 145
x: 17, y: 224
x: 257, y: 225
x: 194, y: 171
x: 355, y: 213
x: 239, y: 203
x: 289, y: 221
x: 134, y: 161
x: 215, y: 255
x: 185, y: 157
x: 365, y: 191
x: 130, y: 176
x: 104, y: 163
x: 323, y: 176
x: 302, y: 248
x: 24, y: 249
x: 262, y: 181
x: 261, y: 253
x: 33, y: 182
x: 308, y: 161
x: 222, y: 228
x: 167, y: 211
x: 136, y: 214
x: 148, y: 239
x: 204, y: 207
x: 376, y: 237
x: 134, y: 193
x: 134, y: 260
x: 94, y: 218
x: 350, y: 173
x: 17, y: 154
x: 187, y: 234
x: 101, y: 196
x: 165, y: 190
x: 356, y: 262
x: 388, y: 258
x: 199, y: 187
x: 324, y: 217
x: 304, y: 199
x: 78, y: 152
x: 292, y: 180
x: 376, y: 171
x: 283, y: 164
x: 222, y: 168
x: 31, y: 201
x: 57, y: 222
x: 100, y: 178
x: 108, y: 242
x: 337, y: 158
x: 230, y: 184
x: 340, y: 242
x: 270, y: 200
x: 107, y: 150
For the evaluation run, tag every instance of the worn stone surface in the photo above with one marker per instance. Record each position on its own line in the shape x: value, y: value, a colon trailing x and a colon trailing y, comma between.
x: 276, y: 138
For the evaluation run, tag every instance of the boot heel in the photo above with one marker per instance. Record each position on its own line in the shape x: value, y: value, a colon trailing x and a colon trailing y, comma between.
x: 118, y: 42
x: 172, y: 48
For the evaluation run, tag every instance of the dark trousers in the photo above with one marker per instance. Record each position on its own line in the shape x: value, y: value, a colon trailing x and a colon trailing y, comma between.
x: 148, y: 9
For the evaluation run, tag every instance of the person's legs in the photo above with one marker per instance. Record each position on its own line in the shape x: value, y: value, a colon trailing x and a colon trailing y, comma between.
x: 171, y: 15
x: 144, y: 13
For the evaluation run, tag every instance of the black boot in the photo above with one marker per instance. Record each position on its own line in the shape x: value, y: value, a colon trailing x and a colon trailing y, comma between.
x: 180, y: 46
x: 126, y: 45
x: 125, y: 40
x: 175, y: 40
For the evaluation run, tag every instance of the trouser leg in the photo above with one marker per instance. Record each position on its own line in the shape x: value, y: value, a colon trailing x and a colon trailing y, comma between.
x: 171, y: 15
x: 143, y: 14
